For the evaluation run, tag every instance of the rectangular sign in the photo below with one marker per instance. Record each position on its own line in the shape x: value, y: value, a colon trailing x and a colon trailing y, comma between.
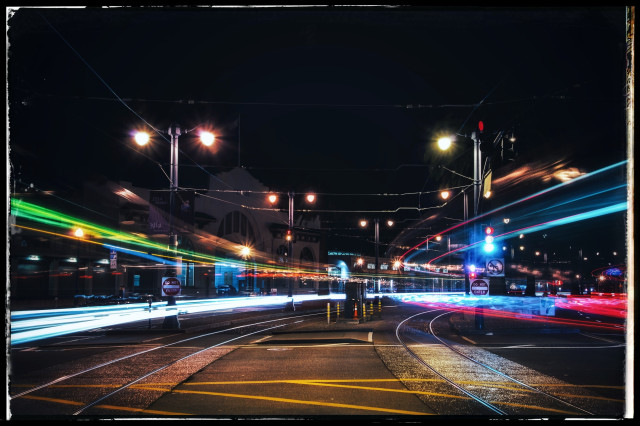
x: 113, y: 259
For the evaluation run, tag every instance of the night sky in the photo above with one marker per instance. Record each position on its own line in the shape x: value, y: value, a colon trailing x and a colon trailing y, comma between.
x: 338, y: 100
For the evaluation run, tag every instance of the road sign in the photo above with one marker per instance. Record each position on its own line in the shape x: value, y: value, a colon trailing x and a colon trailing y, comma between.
x: 495, y: 267
x: 170, y: 286
x: 113, y: 258
x: 480, y: 287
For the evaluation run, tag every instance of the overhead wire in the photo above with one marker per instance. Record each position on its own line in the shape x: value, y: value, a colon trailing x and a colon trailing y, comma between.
x: 162, y: 135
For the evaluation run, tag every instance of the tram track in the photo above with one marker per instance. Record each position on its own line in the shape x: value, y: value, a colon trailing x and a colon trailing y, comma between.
x: 492, y: 390
x: 87, y: 391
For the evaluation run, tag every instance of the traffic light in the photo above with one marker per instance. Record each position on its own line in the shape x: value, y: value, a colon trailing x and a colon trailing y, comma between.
x: 488, y: 240
x: 486, y: 146
x: 508, y: 149
x: 289, y: 235
x: 472, y: 272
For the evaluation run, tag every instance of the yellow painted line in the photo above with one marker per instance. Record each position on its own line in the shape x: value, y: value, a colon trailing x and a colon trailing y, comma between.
x: 296, y: 401
x: 261, y: 382
x: 469, y: 340
x: 380, y: 389
x: 142, y: 410
x: 59, y: 401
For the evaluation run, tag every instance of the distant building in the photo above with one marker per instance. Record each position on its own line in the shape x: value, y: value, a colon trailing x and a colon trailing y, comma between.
x: 212, y: 225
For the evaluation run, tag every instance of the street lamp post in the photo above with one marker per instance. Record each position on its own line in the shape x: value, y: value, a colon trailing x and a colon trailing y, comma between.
x: 376, y: 233
x: 445, y: 143
x: 174, y: 131
x: 273, y: 199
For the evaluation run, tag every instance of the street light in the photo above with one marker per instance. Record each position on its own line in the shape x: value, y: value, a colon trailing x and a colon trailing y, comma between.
x: 174, y: 131
x: 444, y: 144
x: 363, y: 224
x: 142, y: 138
x: 273, y: 198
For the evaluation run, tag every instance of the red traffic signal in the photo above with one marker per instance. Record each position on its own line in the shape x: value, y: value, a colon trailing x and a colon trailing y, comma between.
x: 488, y: 230
x: 480, y: 126
x: 289, y: 236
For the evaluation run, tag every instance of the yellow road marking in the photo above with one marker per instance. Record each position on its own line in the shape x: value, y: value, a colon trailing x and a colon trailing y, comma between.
x: 253, y: 382
x: 59, y: 401
x: 305, y: 382
x: 296, y: 401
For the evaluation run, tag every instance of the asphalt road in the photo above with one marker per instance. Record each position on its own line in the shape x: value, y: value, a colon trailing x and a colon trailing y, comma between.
x: 309, y: 368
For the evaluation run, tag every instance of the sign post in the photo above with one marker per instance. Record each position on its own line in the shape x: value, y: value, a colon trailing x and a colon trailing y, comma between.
x: 479, y: 287
x: 171, y: 289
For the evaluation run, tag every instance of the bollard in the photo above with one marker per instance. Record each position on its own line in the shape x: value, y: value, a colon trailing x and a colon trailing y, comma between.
x: 355, y: 311
x: 328, y: 313
x: 338, y: 312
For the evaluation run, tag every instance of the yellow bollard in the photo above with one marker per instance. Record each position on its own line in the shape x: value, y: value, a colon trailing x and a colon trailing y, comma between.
x: 338, y: 312
x: 328, y: 313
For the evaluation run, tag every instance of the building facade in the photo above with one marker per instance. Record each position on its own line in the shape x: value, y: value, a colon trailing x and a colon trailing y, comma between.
x: 212, y: 224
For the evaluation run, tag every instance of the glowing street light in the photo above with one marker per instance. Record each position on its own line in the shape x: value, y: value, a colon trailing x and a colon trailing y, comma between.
x: 245, y: 251
x: 445, y: 194
x: 141, y: 138
x: 444, y: 143
x: 207, y: 138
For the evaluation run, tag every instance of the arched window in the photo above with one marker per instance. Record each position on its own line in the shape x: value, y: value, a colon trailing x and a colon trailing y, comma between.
x: 307, y: 255
x: 236, y: 227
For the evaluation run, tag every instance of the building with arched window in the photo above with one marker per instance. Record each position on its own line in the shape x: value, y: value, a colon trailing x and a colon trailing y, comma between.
x: 228, y: 234
x: 245, y: 218
x: 232, y: 215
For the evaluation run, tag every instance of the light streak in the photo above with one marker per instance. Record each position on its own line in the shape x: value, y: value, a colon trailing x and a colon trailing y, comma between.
x: 615, y: 202
x: 528, y: 308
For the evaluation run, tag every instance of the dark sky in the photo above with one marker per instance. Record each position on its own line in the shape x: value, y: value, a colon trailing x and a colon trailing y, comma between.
x: 340, y: 100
